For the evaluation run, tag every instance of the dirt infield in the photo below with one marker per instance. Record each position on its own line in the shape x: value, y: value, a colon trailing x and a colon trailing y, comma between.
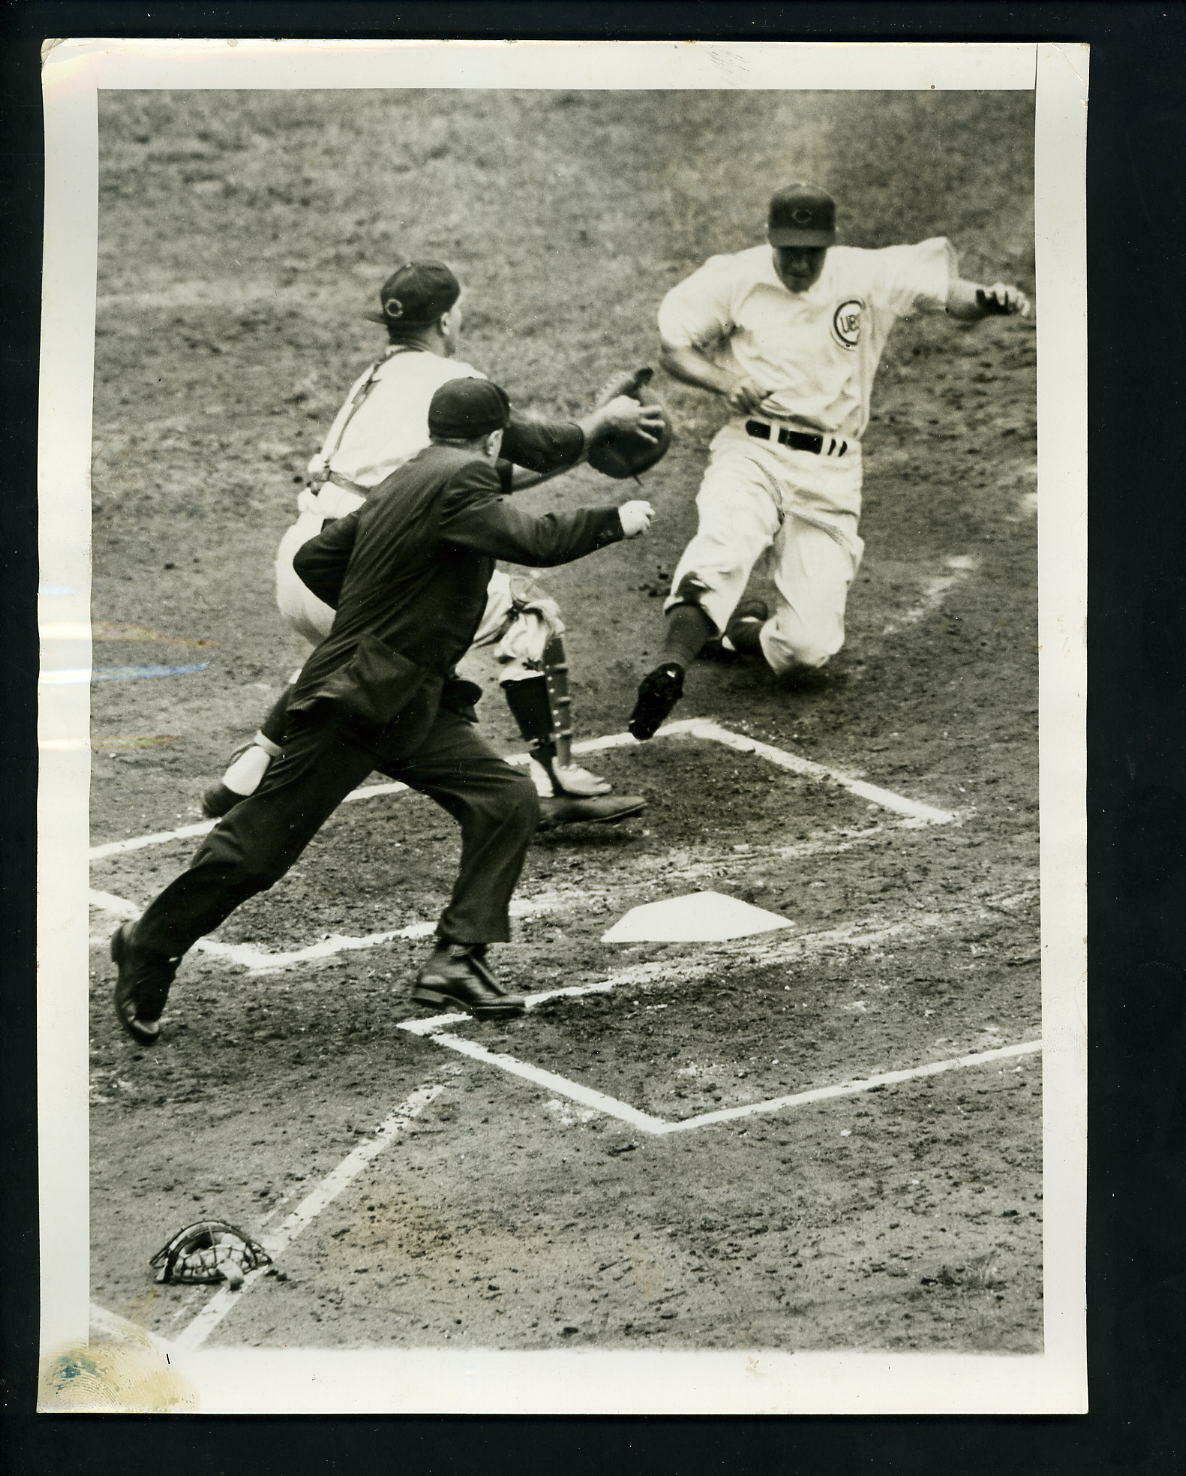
x: 241, y: 237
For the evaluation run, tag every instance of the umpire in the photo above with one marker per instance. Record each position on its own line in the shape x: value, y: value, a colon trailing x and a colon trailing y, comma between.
x: 407, y: 575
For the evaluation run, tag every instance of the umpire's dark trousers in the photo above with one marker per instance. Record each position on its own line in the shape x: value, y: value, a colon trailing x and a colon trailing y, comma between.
x: 324, y: 758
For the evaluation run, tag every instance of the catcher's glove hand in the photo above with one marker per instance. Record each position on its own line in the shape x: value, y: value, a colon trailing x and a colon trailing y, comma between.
x: 620, y: 453
x: 209, y: 1250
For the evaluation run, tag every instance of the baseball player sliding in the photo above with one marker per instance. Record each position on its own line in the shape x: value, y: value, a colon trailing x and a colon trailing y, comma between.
x: 790, y: 335
x: 382, y: 424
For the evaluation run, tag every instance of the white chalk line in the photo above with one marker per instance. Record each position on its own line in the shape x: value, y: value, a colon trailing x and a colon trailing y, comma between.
x: 647, y: 1122
x: 438, y: 1028
x: 851, y: 1088
x: 716, y: 864
x: 900, y: 804
x: 702, y: 728
x: 562, y: 1086
x: 195, y: 1333
x: 934, y: 591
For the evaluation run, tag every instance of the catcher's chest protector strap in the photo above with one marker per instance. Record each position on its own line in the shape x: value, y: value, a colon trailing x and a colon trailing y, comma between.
x: 329, y: 452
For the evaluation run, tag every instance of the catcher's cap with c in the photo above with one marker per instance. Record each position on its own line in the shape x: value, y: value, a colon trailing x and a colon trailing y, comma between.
x: 801, y: 215
x: 416, y: 294
x: 463, y: 409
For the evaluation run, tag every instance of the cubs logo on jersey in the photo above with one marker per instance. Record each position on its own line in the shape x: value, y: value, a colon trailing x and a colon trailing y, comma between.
x: 846, y: 322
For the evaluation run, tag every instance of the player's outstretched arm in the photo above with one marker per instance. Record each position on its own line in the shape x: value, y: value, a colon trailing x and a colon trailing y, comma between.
x: 969, y: 302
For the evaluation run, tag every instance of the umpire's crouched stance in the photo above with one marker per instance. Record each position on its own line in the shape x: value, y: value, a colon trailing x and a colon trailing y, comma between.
x: 407, y: 575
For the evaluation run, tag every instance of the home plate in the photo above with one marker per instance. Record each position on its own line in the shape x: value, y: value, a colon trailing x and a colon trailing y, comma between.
x: 700, y: 917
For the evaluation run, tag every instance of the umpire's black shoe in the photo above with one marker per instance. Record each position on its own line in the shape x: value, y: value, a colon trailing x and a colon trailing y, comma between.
x: 457, y: 974
x: 660, y: 690
x: 142, y: 986
x: 599, y: 809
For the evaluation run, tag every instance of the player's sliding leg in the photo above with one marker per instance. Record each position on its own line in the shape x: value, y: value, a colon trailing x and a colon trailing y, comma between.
x: 738, y: 521
x: 688, y: 630
x: 814, y: 568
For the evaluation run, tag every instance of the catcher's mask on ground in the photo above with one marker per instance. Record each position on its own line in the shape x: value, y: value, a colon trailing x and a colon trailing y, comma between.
x: 209, y: 1250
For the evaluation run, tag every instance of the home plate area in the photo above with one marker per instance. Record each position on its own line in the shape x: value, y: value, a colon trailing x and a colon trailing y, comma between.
x: 661, y: 964
x: 790, y: 1018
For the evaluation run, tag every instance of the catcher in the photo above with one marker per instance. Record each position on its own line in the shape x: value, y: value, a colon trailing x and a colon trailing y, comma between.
x: 383, y: 424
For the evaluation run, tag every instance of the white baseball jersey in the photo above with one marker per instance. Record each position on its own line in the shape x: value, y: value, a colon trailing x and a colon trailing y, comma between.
x: 390, y: 425
x: 819, y: 349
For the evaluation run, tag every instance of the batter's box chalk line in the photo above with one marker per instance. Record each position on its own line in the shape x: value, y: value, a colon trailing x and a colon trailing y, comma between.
x: 702, y: 728
x: 646, y: 1122
x: 258, y: 960
x: 440, y: 1028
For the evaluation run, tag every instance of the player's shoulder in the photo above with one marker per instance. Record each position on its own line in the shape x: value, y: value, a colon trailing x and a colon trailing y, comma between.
x: 423, y: 367
x: 752, y: 262
x: 730, y: 269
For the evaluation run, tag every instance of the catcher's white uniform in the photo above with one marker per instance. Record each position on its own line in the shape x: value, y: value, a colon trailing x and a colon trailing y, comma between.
x: 383, y: 423
x: 783, y: 485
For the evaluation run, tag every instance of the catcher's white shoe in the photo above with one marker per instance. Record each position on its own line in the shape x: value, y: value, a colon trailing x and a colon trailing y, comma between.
x: 557, y: 781
x: 572, y: 779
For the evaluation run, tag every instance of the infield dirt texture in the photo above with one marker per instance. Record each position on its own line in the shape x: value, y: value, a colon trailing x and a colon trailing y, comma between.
x: 242, y: 235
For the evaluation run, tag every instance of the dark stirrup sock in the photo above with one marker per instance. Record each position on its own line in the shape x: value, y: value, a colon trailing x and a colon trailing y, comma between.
x: 746, y: 636
x: 688, y: 630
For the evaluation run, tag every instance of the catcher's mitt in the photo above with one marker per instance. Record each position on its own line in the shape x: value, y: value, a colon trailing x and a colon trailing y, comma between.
x: 621, y: 454
x: 209, y: 1250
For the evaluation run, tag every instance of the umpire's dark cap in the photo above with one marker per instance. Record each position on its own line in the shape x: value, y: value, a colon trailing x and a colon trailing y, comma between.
x: 463, y: 409
x: 416, y: 294
x: 801, y: 215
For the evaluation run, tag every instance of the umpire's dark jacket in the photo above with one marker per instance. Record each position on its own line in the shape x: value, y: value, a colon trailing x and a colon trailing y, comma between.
x: 407, y: 575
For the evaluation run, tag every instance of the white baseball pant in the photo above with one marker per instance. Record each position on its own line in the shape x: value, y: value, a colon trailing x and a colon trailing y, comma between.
x: 793, y: 515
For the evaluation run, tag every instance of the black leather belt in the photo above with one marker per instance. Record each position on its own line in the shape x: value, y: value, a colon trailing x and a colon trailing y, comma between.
x: 797, y: 440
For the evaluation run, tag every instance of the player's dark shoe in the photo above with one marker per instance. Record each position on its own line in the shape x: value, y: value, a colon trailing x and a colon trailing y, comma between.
x: 602, y: 809
x: 658, y: 693
x: 142, y: 986
x: 456, y: 973
x: 218, y: 801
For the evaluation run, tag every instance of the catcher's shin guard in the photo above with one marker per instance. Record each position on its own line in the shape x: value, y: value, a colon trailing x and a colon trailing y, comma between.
x: 542, y: 708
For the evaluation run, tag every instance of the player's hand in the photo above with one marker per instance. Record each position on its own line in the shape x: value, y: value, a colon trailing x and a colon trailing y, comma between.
x: 636, y: 518
x: 745, y: 395
x: 1003, y: 299
x: 625, y: 414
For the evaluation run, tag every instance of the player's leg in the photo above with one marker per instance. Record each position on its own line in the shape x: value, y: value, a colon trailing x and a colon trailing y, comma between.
x: 310, y: 618
x: 246, y: 853
x: 814, y: 570
x: 497, y: 808
x: 738, y: 519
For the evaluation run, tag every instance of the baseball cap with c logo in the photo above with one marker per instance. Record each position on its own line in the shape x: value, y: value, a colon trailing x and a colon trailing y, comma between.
x: 416, y: 294
x: 801, y: 215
